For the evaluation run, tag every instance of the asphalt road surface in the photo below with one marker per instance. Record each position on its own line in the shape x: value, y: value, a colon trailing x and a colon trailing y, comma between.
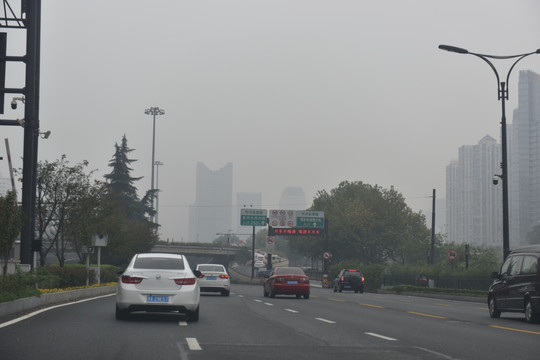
x: 246, y: 325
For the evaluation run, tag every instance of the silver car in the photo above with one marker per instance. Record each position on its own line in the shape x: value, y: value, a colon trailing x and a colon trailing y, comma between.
x: 158, y: 282
x: 215, y: 278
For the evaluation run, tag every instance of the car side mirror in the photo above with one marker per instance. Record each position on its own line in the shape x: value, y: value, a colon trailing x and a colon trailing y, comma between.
x: 198, y: 274
x: 495, y: 275
x: 120, y: 272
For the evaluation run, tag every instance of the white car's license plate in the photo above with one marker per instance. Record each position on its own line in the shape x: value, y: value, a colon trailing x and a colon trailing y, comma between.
x: 211, y: 278
x: 292, y: 282
x: 157, y: 299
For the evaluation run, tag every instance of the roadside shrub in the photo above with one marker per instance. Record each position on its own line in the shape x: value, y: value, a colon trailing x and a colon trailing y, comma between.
x: 70, y: 275
x: 109, y: 273
x: 16, y: 286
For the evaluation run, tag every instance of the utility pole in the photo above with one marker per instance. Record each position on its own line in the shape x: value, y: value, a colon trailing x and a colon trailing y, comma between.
x: 27, y: 17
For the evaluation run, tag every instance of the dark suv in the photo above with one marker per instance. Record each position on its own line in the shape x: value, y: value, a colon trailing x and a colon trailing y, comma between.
x: 349, y: 279
x: 516, y: 287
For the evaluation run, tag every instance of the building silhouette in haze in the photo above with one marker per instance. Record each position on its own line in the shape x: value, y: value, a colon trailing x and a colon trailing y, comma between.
x: 212, y: 211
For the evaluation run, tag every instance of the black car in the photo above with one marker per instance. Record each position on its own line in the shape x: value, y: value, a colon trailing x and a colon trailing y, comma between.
x: 349, y: 279
x: 516, y: 287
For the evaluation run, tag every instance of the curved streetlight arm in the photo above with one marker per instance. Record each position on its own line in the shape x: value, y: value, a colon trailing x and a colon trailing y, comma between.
x: 502, y: 91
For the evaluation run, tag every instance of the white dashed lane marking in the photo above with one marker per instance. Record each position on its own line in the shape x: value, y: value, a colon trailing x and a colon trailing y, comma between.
x: 380, y: 336
x: 193, y: 344
x: 326, y: 321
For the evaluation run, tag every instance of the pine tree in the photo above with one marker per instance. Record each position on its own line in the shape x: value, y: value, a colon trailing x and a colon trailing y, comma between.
x: 121, y: 185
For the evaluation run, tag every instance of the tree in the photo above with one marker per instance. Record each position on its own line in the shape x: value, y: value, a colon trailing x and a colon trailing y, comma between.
x: 369, y: 224
x: 125, y: 218
x: 86, y: 218
x: 60, y: 188
x: 224, y: 240
x: 122, y: 187
x: 11, y: 222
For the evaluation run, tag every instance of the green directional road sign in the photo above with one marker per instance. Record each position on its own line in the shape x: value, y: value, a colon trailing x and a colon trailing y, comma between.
x: 314, y: 219
x: 253, y: 217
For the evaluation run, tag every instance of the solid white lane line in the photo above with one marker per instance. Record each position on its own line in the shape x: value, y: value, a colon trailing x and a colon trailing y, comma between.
x: 380, y: 336
x: 326, y: 321
x: 24, y: 317
x: 291, y: 310
x: 193, y: 344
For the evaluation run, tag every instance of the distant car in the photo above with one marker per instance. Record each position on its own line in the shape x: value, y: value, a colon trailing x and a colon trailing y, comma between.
x: 287, y: 281
x: 516, y: 287
x: 215, y: 278
x: 259, y: 264
x: 158, y: 283
x: 349, y: 279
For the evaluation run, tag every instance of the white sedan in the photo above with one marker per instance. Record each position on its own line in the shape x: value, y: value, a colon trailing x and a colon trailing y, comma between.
x: 158, y: 282
x: 215, y: 278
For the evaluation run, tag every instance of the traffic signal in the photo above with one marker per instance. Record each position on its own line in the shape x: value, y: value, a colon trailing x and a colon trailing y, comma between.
x: 294, y: 231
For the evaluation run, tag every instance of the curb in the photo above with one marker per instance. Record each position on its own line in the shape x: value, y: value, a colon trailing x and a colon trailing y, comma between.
x: 25, y: 304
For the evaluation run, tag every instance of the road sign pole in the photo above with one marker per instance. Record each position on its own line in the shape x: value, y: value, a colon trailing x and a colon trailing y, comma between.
x: 253, y: 255
x: 325, y: 270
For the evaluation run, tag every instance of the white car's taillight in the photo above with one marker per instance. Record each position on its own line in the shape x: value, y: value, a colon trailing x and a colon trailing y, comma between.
x: 185, y: 281
x: 126, y: 279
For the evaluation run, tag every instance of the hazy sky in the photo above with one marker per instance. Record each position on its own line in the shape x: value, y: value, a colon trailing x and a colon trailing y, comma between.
x: 294, y: 93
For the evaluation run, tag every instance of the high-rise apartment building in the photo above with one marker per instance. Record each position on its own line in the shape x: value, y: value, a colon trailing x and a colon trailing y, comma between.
x: 212, y: 211
x: 293, y: 198
x: 524, y: 160
x: 473, y: 203
x: 5, y: 185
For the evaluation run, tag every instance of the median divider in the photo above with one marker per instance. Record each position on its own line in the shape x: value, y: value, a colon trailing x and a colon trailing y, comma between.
x: 25, y: 304
x: 243, y: 278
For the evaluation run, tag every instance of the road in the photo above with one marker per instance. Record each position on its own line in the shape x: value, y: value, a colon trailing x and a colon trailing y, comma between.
x: 247, y: 325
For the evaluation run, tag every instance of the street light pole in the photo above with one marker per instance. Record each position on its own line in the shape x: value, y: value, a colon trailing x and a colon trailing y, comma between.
x: 157, y: 164
x: 153, y: 111
x: 502, y: 94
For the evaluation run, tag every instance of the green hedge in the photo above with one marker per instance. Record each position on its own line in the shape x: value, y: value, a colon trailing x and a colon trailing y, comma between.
x: 22, y: 284
x: 75, y: 275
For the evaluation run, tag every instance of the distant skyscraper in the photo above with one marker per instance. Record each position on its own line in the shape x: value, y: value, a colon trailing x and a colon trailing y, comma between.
x: 293, y: 198
x: 212, y: 211
x: 524, y: 164
x: 5, y: 185
x: 473, y: 203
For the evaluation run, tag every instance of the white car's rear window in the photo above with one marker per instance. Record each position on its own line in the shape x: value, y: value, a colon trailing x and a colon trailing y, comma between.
x: 211, y: 268
x: 161, y: 263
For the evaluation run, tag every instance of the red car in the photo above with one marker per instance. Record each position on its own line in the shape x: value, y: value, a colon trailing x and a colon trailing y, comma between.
x: 287, y: 281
